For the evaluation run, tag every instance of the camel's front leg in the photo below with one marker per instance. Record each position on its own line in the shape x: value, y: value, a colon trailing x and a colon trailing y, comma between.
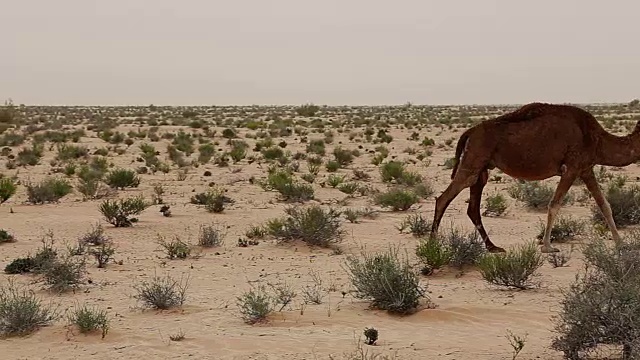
x: 564, y: 185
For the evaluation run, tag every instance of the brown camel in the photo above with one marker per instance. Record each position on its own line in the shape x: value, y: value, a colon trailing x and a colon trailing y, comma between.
x: 536, y: 142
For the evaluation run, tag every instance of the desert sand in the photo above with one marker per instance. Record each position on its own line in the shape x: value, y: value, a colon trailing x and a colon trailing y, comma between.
x: 470, y: 319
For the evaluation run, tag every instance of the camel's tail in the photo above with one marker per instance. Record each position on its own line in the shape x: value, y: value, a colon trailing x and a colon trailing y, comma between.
x: 462, y: 142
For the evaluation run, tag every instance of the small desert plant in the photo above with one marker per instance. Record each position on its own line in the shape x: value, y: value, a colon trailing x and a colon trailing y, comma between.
x: 625, y: 205
x: 334, y: 180
x: 103, y: 253
x: 119, y: 212
x: 256, y: 232
x: 162, y: 292
x: 7, y: 188
x: 211, y: 236
x: 515, y: 268
x: 418, y: 225
x: 371, y: 334
x: 90, y: 319
x: 397, y: 198
x: 433, y: 253
x: 214, y: 200
x: 95, y: 236
x: 284, y: 294
x: 255, y: 305
x: 313, y: 225
x: 21, y: 312
x: 464, y: 248
x: 175, y: 248
x: 48, y: 190
x: 387, y: 280
x: 495, y: 205
x: 64, y: 273
x: 559, y: 259
x: 517, y: 343
x: 563, y: 229
x: 535, y: 194
x: 122, y: 178
x: 290, y: 190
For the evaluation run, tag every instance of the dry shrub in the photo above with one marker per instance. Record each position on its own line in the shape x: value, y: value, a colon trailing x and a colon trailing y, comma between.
x: 601, y: 307
x: 387, y: 280
x: 21, y: 312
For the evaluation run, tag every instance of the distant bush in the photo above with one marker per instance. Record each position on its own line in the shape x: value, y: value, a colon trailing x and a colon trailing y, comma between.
x: 214, y: 200
x: 119, y: 212
x: 48, y: 190
x: 64, y: 274
x: 68, y: 152
x: 512, y: 269
x: 175, y: 248
x: 418, y: 225
x: 625, y: 205
x: 564, y: 228
x: 290, y: 190
x: 307, y: 110
x: 388, y: 281
x: 433, y: 253
x: 395, y: 171
x: 535, y: 194
x: 211, y: 236
x: 122, y: 178
x: 601, y: 306
x: 342, y: 156
x: 397, y: 198
x: 30, y: 157
x: 495, y: 205
x: 313, y: 225
x: 21, y: 313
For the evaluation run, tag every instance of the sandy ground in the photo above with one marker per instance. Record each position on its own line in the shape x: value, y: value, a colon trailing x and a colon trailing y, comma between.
x: 470, y: 321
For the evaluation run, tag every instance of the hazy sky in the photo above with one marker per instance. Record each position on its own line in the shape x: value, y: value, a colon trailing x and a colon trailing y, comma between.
x: 170, y: 52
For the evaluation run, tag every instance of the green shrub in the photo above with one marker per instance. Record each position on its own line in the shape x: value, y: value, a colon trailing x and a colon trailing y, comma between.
x: 332, y: 166
x: 334, y: 180
x: 119, y: 212
x: 312, y: 225
x: 103, y: 253
x: 64, y: 274
x: 30, y: 157
x: 342, y: 156
x: 495, y: 205
x: 122, y: 178
x: 433, y: 253
x: 48, y: 190
x: 21, y: 313
x: 255, y: 305
x: 290, y: 190
x: 90, y: 319
x: 7, y: 188
x: 397, y: 198
x: 465, y: 247
x: 213, y: 200
x: 162, y: 292
x: 273, y: 153
x: 175, y: 248
x: 316, y: 147
x: 418, y: 225
x: 625, y: 205
x: 211, y: 236
x: 307, y: 110
x: 68, y: 152
x: 512, y: 269
x: 564, y: 228
x: 535, y: 194
x: 388, y: 281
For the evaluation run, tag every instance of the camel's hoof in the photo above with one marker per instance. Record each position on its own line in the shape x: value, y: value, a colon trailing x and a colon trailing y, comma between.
x: 549, y: 250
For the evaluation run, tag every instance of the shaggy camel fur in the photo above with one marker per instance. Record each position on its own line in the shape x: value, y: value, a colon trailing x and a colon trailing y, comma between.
x: 536, y: 142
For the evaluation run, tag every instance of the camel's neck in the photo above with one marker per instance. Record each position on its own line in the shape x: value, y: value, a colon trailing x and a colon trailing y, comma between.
x: 618, y: 150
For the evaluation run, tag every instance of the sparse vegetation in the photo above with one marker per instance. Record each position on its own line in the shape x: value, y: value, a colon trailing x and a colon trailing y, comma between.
x: 162, y: 293
x: 21, y: 312
x: 515, y: 268
x: 120, y: 213
x: 313, y: 225
x: 387, y: 280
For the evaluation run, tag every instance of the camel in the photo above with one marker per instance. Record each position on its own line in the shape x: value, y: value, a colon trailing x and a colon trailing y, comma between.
x: 535, y: 142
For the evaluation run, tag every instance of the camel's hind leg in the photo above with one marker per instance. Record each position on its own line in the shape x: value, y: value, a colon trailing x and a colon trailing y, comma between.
x: 590, y: 181
x: 462, y: 180
x: 564, y: 185
x: 473, y: 210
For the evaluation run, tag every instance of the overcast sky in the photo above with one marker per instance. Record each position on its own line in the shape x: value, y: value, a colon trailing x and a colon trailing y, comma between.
x: 169, y: 52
